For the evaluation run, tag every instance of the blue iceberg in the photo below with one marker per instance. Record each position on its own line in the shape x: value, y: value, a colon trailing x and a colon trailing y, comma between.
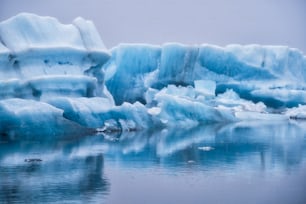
x: 62, y: 77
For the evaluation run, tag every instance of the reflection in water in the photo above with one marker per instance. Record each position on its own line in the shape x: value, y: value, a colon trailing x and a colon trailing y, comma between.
x: 41, y: 171
x: 59, y: 176
x: 272, y: 146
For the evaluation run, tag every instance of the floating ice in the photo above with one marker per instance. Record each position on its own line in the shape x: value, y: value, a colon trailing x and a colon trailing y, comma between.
x: 51, y: 72
x: 206, y: 148
x: 31, y: 118
x: 297, y: 112
x: 39, y: 52
x: 42, y: 59
x: 241, y: 68
x: 186, y: 107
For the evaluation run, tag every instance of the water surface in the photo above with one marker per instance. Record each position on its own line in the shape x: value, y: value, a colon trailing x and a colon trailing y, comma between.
x: 249, y: 162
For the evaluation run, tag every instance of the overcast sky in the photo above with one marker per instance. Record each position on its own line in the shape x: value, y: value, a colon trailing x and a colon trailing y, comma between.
x: 218, y: 22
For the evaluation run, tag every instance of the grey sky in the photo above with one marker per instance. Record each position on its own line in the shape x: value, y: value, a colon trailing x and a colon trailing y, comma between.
x: 218, y: 22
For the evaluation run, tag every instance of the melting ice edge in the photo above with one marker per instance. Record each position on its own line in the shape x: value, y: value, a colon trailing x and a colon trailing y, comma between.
x: 61, y: 79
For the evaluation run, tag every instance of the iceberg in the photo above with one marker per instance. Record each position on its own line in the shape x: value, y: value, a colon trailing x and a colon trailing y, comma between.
x: 35, y: 49
x: 297, y: 112
x: 97, y: 112
x: 33, y: 120
x: 57, y: 76
x: 241, y: 68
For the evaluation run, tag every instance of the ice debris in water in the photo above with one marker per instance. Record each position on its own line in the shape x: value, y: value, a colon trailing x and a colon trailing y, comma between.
x: 206, y: 148
x: 57, y: 76
x: 297, y: 112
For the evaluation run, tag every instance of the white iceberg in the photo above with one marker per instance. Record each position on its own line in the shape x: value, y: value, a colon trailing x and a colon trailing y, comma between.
x: 36, y: 49
x: 65, y: 73
x: 297, y: 112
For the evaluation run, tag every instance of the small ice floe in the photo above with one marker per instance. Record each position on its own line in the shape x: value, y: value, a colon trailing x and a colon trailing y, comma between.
x: 33, y: 160
x: 190, y: 161
x: 297, y: 113
x: 206, y: 148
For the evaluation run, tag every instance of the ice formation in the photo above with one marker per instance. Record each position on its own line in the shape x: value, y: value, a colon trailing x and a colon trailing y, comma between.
x: 41, y: 60
x: 51, y: 72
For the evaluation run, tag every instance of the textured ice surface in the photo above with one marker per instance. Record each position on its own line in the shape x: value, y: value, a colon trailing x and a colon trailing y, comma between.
x: 36, y: 49
x: 32, y: 118
x: 297, y: 112
x: 63, y: 76
x: 241, y: 68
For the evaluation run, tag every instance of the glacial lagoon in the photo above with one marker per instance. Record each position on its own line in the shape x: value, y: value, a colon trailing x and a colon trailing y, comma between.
x: 245, y: 162
x: 82, y: 123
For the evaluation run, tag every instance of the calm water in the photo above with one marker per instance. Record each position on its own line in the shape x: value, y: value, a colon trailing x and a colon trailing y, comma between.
x: 238, y: 163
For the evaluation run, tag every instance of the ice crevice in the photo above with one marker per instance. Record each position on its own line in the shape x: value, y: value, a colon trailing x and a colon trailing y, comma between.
x: 59, y: 76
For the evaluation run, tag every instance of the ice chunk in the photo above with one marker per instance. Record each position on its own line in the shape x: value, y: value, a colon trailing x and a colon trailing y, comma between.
x: 98, y: 112
x: 177, y: 64
x: 283, y: 97
x: 89, y: 34
x: 231, y: 100
x: 20, y: 118
x: 206, y: 87
x: 282, y: 61
x: 20, y: 109
x: 131, y: 117
x: 186, y: 107
x: 297, y: 112
x: 84, y: 111
x: 26, y: 31
x: 132, y: 63
x: 154, y: 111
x: 54, y: 54
x: 242, y: 68
x: 246, y: 110
x: 222, y: 62
x: 206, y: 148
x: 178, y: 110
x: 29, y: 31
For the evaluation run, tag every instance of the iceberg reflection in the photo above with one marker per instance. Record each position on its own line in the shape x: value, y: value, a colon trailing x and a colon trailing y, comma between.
x: 49, y: 172
x: 72, y: 170
x: 259, y: 145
